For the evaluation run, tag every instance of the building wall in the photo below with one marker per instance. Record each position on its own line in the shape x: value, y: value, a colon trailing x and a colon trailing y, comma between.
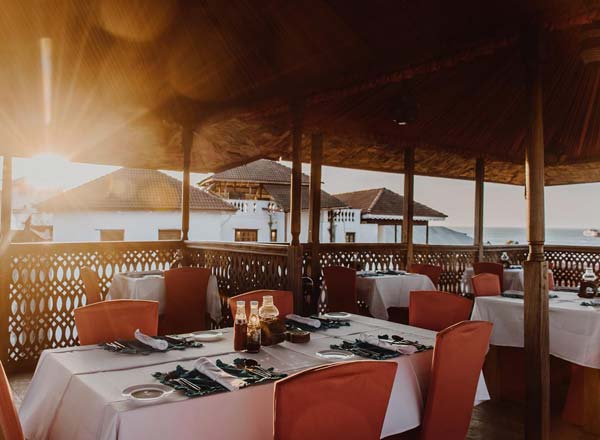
x: 138, y: 225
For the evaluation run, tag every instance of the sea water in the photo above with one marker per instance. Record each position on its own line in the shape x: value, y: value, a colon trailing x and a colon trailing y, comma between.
x: 500, y: 235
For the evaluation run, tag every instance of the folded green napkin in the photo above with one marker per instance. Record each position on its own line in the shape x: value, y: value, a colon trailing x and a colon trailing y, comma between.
x: 136, y: 347
x: 366, y: 350
x: 246, y: 369
x: 325, y: 324
x: 589, y: 304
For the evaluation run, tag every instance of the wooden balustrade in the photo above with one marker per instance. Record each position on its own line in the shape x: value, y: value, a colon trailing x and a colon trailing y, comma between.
x: 43, y: 285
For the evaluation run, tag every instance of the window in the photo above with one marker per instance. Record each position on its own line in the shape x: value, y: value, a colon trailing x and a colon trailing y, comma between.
x: 273, y: 234
x: 169, y: 234
x: 246, y: 235
x: 350, y: 237
x: 112, y: 234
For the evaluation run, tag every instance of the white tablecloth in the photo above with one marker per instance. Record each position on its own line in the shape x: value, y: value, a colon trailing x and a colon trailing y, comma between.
x: 151, y: 286
x: 512, y: 280
x: 76, y: 392
x: 384, y: 291
x: 574, y: 329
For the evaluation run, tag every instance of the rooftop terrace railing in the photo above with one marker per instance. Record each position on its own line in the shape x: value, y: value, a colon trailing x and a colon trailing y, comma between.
x: 40, y: 283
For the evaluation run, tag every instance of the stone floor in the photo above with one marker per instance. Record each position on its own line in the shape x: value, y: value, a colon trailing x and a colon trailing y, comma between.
x: 490, y: 421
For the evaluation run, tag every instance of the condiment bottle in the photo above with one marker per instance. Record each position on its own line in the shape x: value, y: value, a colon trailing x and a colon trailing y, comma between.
x: 272, y: 330
x: 240, y: 327
x: 253, y: 333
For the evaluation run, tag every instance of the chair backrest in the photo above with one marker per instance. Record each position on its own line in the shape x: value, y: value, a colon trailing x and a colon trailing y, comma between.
x: 495, y: 268
x: 341, y: 289
x: 91, y: 283
x: 486, y: 284
x: 117, y: 319
x: 435, y: 310
x: 283, y: 300
x: 457, y: 362
x: 185, y: 310
x: 432, y: 271
x: 347, y: 400
x: 10, y: 425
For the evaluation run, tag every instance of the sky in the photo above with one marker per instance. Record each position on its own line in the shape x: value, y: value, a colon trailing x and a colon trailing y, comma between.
x: 566, y: 206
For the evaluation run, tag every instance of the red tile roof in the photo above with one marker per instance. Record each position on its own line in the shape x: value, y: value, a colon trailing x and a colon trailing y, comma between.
x: 259, y: 171
x: 382, y: 201
x: 132, y: 189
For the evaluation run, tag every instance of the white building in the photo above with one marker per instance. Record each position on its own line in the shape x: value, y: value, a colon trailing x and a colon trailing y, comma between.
x: 134, y: 204
x: 261, y: 192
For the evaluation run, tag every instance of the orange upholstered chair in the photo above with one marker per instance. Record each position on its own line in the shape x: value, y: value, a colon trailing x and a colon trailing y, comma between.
x: 283, y: 300
x: 432, y: 271
x: 117, y: 319
x: 573, y: 411
x: 495, y: 268
x: 348, y: 400
x: 550, y: 280
x: 436, y: 310
x: 91, y: 283
x: 341, y: 289
x: 457, y: 361
x: 10, y: 425
x: 486, y: 284
x: 185, y: 309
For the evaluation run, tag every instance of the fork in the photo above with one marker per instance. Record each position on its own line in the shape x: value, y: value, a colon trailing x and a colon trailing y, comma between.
x: 188, y: 384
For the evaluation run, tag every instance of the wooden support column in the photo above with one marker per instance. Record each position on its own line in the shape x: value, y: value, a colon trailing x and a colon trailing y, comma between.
x: 187, y: 140
x: 537, y: 356
x: 479, y: 192
x: 314, y: 227
x: 408, y: 207
x: 5, y: 227
x: 295, y: 250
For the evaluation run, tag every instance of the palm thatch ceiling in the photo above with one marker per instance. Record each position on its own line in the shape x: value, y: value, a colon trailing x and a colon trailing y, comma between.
x: 111, y: 81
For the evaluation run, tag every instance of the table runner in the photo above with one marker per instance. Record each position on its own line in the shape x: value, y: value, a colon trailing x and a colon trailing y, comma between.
x: 385, y: 291
x: 151, y: 286
x: 87, y: 401
x: 574, y: 329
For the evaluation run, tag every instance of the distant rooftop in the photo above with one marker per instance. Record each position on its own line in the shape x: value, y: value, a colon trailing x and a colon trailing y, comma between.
x: 132, y: 189
x: 384, y: 203
x: 281, y: 196
x: 259, y: 171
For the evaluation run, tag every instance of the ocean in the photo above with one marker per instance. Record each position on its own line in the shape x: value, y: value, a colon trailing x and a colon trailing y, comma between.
x: 518, y: 235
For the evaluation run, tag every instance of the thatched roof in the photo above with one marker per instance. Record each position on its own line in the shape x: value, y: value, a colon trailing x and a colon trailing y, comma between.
x: 132, y: 189
x: 384, y: 203
x: 127, y: 75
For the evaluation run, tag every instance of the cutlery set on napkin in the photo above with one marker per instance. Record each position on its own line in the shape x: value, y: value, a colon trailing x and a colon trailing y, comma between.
x: 144, y: 344
x: 313, y: 323
x: 208, y: 378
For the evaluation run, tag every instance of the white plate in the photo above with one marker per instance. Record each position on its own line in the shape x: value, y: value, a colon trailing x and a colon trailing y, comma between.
x: 332, y: 354
x: 207, y: 336
x: 147, y: 392
x: 337, y: 316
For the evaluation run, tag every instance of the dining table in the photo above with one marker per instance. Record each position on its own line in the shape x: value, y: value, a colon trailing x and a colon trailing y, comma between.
x: 574, y: 332
x: 512, y: 279
x: 382, y: 290
x: 77, y: 392
x: 150, y: 285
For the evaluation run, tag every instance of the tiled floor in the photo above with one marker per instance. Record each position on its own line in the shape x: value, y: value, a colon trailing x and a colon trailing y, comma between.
x: 490, y: 421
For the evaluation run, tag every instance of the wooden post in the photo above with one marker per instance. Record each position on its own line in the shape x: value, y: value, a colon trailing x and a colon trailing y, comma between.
x: 408, y: 206
x: 295, y: 250
x: 537, y: 356
x: 316, y: 157
x: 427, y: 233
x: 314, y: 227
x: 187, y: 141
x: 5, y: 228
x: 479, y: 183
